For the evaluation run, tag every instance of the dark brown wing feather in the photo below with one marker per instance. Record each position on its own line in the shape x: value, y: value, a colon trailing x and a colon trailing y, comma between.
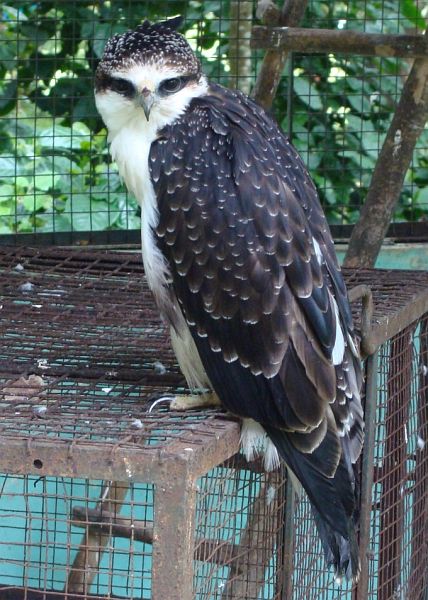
x: 238, y: 218
x: 238, y: 214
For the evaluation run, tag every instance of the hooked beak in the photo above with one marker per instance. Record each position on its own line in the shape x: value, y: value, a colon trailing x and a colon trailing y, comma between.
x: 146, y: 100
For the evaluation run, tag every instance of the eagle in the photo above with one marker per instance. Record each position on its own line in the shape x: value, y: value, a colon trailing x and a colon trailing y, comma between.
x: 239, y: 257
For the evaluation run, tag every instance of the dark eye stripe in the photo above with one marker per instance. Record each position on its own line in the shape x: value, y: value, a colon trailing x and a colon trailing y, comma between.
x: 120, y: 86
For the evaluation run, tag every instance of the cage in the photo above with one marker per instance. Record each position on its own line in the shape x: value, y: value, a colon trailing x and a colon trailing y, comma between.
x: 103, y: 498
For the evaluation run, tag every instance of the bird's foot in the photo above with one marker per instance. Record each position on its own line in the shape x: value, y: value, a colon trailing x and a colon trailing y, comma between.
x: 192, y: 401
x: 188, y: 401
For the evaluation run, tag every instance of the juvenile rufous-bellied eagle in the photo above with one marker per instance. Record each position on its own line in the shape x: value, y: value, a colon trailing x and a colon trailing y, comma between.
x: 239, y: 257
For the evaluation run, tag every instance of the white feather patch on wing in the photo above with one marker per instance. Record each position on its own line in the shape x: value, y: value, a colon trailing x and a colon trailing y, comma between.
x: 318, y: 252
x: 255, y: 442
x: 339, y: 342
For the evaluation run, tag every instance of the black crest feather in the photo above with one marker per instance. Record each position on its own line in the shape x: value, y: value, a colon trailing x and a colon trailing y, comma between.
x: 172, y: 24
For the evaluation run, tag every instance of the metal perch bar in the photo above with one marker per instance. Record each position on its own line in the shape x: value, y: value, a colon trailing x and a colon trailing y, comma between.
x: 86, y: 564
x: 247, y: 569
x: 101, y: 522
x: 302, y: 39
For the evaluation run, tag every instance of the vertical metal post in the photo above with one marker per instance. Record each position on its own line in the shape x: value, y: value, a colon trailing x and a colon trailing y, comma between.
x: 418, y: 579
x: 289, y: 539
x: 394, y: 470
x: 367, y: 470
x: 173, y: 535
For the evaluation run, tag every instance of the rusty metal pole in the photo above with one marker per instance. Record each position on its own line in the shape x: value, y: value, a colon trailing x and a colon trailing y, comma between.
x: 394, y: 468
x: 173, y: 535
x: 289, y: 541
x: 367, y: 470
x: 418, y: 579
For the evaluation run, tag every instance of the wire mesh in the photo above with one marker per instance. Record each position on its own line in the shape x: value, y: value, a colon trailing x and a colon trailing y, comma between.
x: 341, y: 108
x: 243, y: 510
x: 397, y: 555
x: 401, y: 476
x: 56, y: 176
x: 37, y: 553
x: 77, y: 379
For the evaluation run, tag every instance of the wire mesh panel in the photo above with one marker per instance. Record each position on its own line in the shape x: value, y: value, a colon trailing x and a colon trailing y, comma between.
x: 56, y: 176
x: 401, y: 467
x: 342, y: 105
x: 244, y: 510
x: 397, y: 553
x: 37, y: 553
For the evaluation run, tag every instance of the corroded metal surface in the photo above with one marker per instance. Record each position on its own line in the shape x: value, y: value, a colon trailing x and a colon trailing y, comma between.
x: 84, y: 356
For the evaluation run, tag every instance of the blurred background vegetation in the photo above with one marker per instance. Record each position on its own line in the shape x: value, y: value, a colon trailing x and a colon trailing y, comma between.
x: 55, y: 171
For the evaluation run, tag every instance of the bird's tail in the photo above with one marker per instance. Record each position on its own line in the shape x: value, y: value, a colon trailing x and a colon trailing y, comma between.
x: 333, y: 500
x: 340, y: 552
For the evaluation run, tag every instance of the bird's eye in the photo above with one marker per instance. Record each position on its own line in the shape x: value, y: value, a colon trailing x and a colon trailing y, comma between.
x: 171, y: 86
x: 122, y: 86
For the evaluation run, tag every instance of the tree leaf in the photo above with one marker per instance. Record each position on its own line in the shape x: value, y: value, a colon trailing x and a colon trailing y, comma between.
x: 307, y: 93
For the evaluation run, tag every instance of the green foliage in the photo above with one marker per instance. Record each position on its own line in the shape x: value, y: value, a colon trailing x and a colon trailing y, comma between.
x: 342, y: 107
x: 55, y: 172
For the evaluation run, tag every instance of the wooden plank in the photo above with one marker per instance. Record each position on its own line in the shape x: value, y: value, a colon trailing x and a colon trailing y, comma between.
x: 301, y: 39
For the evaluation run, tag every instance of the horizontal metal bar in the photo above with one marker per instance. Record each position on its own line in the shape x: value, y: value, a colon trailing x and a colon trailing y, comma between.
x: 130, y: 239
x: 198, y: 451
x: 301, y: 39
x: 108, y: 523
x: 412, y: 231
x: 119, y: 237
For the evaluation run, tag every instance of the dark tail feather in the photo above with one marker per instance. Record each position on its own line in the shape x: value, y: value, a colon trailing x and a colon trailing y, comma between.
x: 333, y: 501
x: 340, y: 552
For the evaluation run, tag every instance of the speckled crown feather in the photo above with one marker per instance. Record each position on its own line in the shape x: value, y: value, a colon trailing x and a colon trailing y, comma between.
x: 150, y: 43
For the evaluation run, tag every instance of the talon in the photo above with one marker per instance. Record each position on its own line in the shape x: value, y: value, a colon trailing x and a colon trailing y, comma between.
x: 169, y: 399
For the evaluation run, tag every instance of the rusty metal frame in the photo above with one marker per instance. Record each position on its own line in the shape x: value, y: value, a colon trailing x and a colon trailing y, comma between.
x: 367, y: 473
x: 173, y: 469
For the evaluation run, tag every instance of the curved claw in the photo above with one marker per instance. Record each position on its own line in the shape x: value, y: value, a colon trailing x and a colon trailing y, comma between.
x: 169, y: 399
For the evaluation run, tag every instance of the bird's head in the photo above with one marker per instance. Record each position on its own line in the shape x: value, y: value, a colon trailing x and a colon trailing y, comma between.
x: 149, y: 73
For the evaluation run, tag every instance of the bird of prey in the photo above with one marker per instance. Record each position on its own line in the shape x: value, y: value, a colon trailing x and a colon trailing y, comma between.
x: 240, y: 260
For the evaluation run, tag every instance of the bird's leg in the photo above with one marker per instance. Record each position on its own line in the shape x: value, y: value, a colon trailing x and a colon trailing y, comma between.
x: 191, y: 401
